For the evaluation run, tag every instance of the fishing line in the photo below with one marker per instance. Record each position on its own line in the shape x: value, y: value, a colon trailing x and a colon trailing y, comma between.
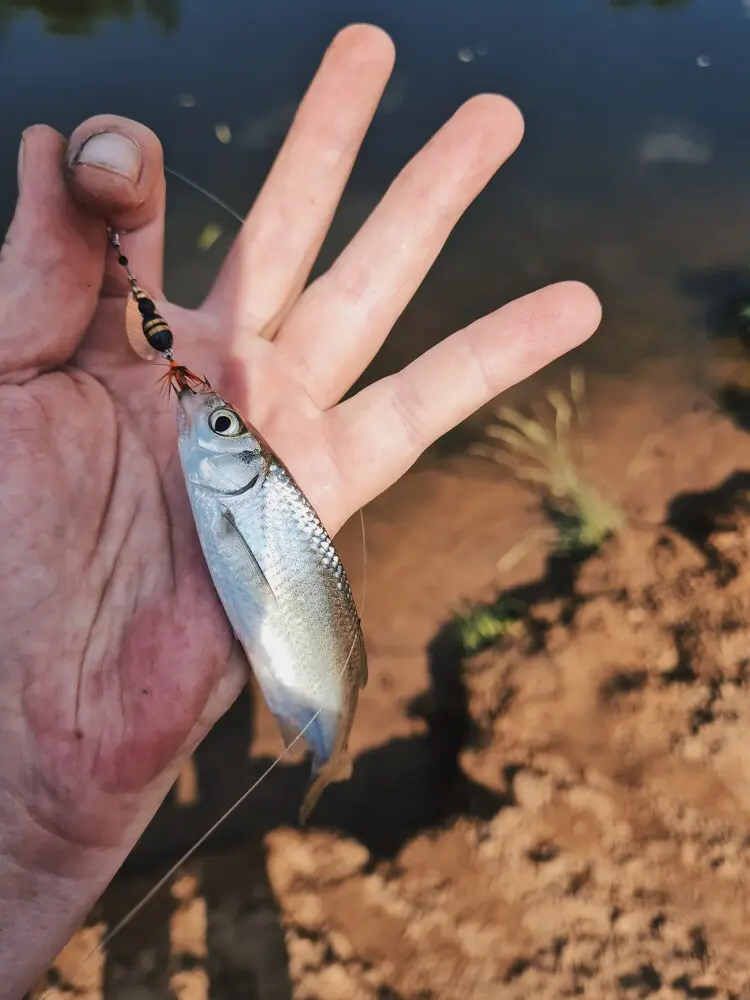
x: 364, y: 562
x: 271, y: 767
x: 204, y: 837
x: 204, y: 191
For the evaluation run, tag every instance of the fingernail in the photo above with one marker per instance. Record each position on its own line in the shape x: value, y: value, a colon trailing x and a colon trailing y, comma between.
x: 111, y: 151
x: 20, y: 165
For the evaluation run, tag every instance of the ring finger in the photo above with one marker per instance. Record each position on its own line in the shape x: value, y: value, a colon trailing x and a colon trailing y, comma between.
x: 356, y: 302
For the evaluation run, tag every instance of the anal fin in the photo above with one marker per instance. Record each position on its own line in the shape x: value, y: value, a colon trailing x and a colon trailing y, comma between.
x: 338, y: 768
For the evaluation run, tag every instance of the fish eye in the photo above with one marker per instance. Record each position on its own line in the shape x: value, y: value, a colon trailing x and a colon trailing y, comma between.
x: 226, y: 423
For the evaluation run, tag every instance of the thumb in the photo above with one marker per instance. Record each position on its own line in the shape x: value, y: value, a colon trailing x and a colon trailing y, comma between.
x: 51, y: 264
x: 55, y: 258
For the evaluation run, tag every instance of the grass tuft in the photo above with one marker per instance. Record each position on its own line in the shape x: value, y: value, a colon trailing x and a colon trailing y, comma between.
x: 539, y: 449
x: 482, y: 625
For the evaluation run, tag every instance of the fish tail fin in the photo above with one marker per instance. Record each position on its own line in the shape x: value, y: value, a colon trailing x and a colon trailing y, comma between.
x: 338, y: 768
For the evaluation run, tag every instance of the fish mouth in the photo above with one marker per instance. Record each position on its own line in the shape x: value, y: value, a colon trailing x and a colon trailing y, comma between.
x: 188, y: 407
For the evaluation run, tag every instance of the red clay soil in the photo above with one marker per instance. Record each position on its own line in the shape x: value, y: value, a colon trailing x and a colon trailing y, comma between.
x: 612, y: 726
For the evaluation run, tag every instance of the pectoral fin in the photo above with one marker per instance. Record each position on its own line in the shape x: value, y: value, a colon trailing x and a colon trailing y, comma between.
x: 289, y: 730
x: 252, y: 566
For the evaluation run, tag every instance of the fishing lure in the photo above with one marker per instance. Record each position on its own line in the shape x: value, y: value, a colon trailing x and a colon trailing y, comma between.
x: 155, y: 328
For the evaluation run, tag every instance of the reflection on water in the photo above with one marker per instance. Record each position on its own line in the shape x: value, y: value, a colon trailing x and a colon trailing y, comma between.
x: 84, y: 17
x: 675, y: 145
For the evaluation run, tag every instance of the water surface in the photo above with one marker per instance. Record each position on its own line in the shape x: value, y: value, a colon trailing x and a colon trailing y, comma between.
x: 633, y: 174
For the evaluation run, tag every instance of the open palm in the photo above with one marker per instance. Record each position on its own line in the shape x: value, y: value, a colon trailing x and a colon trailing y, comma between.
x: 118, y: 657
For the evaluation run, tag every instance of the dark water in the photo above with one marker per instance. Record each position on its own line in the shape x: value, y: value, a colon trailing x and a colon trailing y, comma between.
x: 633, y: 174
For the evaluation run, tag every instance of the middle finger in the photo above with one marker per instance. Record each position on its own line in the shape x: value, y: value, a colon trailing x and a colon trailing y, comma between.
x: 353, y: 306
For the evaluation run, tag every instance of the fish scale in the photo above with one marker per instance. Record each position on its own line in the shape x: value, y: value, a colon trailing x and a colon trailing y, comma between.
x: 300, y: 563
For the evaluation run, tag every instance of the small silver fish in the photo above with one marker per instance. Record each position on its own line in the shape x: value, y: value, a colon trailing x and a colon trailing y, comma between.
x: 278, y: 575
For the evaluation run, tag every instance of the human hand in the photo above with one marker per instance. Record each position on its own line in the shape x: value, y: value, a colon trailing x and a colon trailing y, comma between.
x: 118, y: 657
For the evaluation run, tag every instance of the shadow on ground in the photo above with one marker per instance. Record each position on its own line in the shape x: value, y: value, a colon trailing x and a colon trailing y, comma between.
x: 719, y: 292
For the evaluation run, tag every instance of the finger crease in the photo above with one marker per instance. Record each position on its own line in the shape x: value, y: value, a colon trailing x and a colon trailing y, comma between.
x: 409, y: 411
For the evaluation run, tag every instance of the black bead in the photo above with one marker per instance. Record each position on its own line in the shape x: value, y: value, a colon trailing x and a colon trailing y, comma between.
x: 147, y: 308
x: 123, y: 260
x: 161, y: 340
